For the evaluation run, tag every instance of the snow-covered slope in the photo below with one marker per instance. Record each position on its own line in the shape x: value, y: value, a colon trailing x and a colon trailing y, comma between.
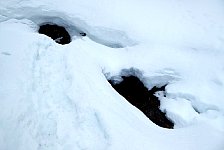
x: 56, y: 96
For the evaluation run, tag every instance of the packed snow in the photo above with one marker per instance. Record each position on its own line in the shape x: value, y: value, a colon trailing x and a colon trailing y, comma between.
x: 56, y: 96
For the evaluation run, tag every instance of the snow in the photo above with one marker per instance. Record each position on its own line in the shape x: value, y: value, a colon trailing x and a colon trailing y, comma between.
x: 57, y: 96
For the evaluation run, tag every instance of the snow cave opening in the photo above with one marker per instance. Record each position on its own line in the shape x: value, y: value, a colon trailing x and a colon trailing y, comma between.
x: 58, y: 33
x: 135, y: 92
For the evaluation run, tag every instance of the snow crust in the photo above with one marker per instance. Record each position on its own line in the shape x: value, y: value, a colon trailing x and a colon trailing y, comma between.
x: 57, y: 96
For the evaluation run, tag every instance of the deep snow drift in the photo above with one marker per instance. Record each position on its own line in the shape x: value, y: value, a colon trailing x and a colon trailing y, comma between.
x: 56, y: 96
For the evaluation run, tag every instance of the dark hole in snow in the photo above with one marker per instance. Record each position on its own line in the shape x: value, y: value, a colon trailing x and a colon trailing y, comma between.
x: 82, y: 33
x: 57, y: 33
x: 133, y: 90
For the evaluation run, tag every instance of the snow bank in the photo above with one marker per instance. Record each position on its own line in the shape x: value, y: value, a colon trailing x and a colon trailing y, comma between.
x: 57, y: 96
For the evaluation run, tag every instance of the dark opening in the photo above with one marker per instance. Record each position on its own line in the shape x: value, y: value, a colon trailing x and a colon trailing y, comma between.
x: 82, y: 33
x: 57, y: 33
x: 133, y: 90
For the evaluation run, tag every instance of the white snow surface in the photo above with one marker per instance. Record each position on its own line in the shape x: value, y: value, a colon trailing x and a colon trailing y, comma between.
x: 56, y: 97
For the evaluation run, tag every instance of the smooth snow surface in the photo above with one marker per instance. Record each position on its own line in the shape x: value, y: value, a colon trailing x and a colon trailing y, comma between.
x: 56, y: 96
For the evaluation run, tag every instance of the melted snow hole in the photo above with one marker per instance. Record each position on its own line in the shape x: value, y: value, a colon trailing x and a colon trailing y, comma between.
x: 63, y: 28
x: 134, y: 91
x: 58, y: 33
